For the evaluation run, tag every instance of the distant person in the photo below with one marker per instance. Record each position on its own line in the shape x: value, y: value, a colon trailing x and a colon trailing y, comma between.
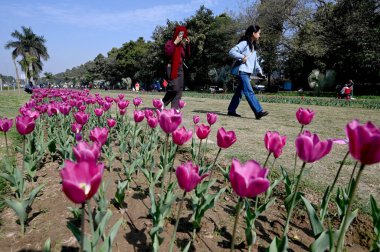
x: 137, y: 86
x: 177, y: 49
x: 245, y: 52
x: 29, y: 88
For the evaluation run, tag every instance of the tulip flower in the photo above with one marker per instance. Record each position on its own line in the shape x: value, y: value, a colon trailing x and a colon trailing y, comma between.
x: 304, y: 116
x: 137, y: 101
x: 202, y: 131
x: 80, y: 181
x: 25, y: 125
x: 211, y: 118
x: 82, y: 108
x: 64, y: 109
x: 122, y: 111
x: 99, y: 135
x: 81, y: 117
x: 196, y: 119
x: 274, y: 143
x: 148, y: 113
x: 249, y: 179
x: 181, y: 104
x: 32, y: 114
x: 76, y: 127
x: 123, y: 104
x: 78, y: 137
x: 138, y: 115
x: 364, y: 142
x: 225, y: 139
x: 86, y: 152
x: 310, y: 148
x: 111, y: 122
x: 152, y: 122
x: 107, y: 106
x: 188, y: 176
x: 169, y: 120
x: 121, y: 96
x: 5, y: 124
x: 157, y: 103
x: 98, y: 112
x: 181, y: 136
x: 52, y: 110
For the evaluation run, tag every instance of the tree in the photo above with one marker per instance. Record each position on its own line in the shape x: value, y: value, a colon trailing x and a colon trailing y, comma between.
x: 31, y: 48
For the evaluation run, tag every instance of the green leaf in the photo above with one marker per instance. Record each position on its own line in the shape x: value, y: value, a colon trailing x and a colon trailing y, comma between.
x: 33, y: 194
x: 47, y: 246
x: 187, y: 247
x: 107, y: 245
x: 323, y: 241
x: 316, y: 224
x: 74, y: 230
x: 52, y: 146
x: 279, y: 245
x: 19, y: 208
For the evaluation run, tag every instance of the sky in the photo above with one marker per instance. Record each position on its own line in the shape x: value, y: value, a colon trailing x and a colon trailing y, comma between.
x: 77, y: 31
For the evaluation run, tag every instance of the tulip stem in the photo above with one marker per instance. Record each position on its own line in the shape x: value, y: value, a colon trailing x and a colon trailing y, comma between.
x: 199, y: 149
x: 266, y: 160
x: 213, y: 165
x: 324, y: 210
x: 6, y: 143
x: 176, y: 222
x: 238, y: 208
x: 172, y: 166
x: 82, y: 227
x: 286, y: 229
x: 295, y: 158
x: 345, y: 224
x: 165, y: 170
x: 352, y: 174
x: 23, y: 155
x: 90, y: 217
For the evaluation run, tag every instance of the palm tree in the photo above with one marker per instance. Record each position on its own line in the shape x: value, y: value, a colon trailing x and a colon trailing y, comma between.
x: 31, y: 48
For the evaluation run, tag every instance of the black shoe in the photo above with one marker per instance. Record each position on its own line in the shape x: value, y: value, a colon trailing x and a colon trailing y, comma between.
x: 261, y: 114
x: 233, y: 114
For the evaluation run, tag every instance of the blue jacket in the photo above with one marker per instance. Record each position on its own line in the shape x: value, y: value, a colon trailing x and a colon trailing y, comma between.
x: 251, y: 65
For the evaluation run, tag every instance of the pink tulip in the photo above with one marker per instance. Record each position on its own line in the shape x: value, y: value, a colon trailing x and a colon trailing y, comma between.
x: 196, y: 119
x: 249, y: 179
x: 304, y: 116
x: 364, y: 142
x: 169, y: 120
x: 121, y: 96
x: 64, y: 109
x: 5, y: 124
x: 211, y: 118
x: 138, y: 115
x: 78, y: 137
x: 202, y: 131
x: 225, y: 139
x: 111, y: 122
x: 181, y: 104
x: 123, y: 104
x: 188, y: 176
x: 25, y: 124
x: 81, y: 117
x: 52, y: 110
x: 148, y: 113
x: 137, y: 101
x: 80, y: 181
x: 98, y: 112
x: 310, y: 149
x: 274, y: 143
x: 152, y: 122
x: 99, y: 135
x: 181, y: 136
x: 107, y: 106
x: 76, y: 127
x: 32, y: 114
x: 122, y: 111
x: 157, y: 103
x: 85, y: 152
x: 82, y: 108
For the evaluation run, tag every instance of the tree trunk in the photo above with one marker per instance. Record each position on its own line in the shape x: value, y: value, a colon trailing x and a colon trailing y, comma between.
x: 17, y: 77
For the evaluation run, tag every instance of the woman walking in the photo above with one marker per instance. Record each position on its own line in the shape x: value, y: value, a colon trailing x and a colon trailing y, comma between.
x: 245, y: 53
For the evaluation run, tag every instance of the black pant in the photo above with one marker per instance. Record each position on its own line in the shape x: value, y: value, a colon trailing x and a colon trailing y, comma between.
x: 174, y: 88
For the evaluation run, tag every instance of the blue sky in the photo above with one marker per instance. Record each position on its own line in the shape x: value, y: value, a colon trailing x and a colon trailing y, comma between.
x: 77, y: 31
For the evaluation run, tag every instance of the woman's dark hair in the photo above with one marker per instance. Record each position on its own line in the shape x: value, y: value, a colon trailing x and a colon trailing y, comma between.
x: 247, y: 37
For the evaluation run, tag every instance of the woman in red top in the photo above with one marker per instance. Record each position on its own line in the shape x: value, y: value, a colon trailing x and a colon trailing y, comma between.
x: 177, y: 49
